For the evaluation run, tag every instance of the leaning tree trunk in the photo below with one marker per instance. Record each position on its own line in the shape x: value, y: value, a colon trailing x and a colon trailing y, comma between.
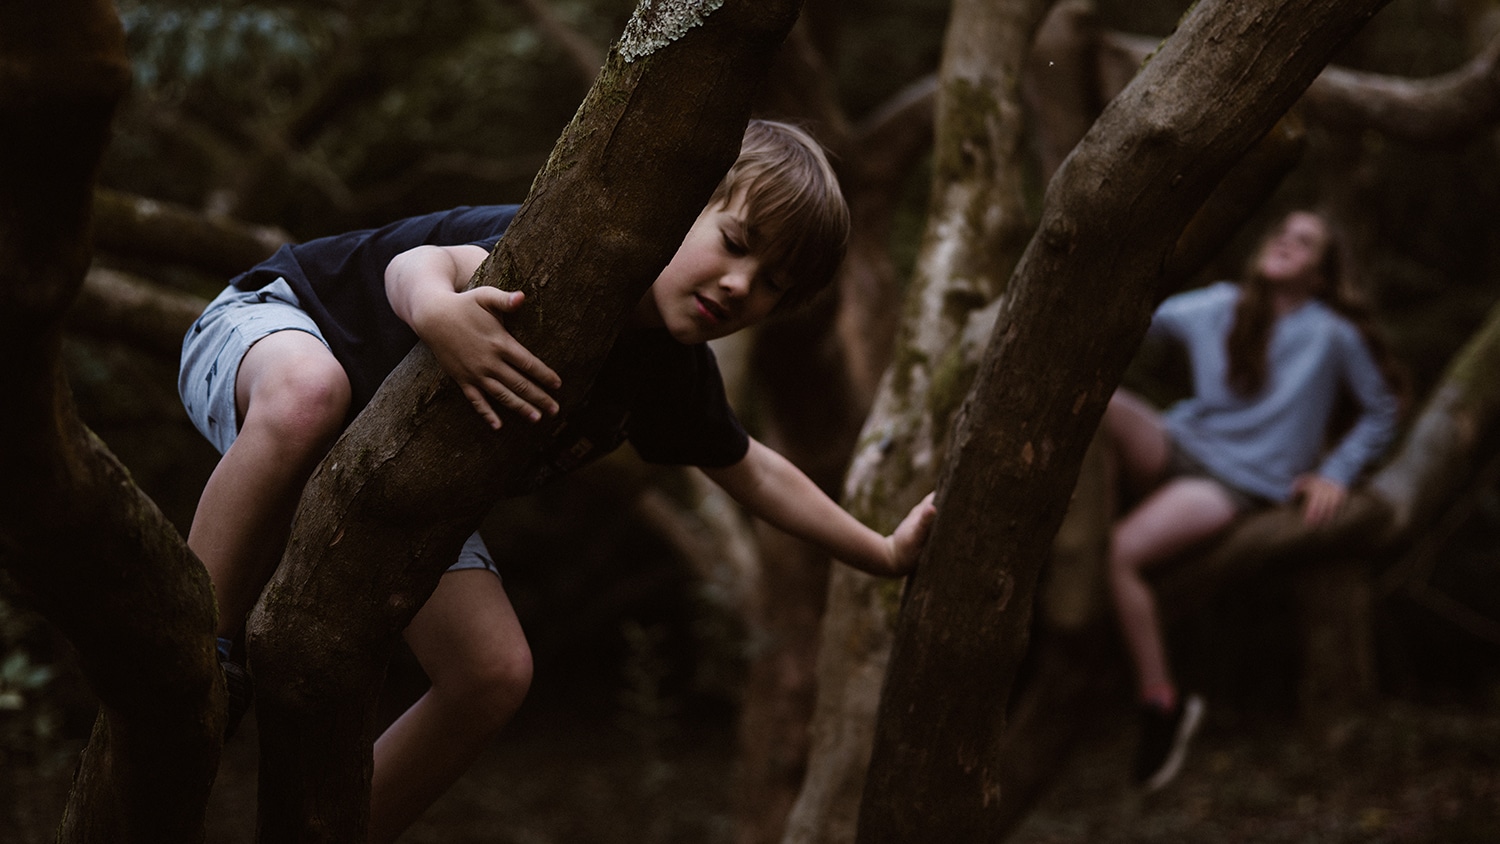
x: 975, y: 233
x: 1075, y: 661
x: 1086, y: 285
x: 390, y: 506
x: 85, y: 543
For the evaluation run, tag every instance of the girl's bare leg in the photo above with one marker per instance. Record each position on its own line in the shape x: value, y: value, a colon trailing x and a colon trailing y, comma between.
x: 1182, y: 513
x: 1138, y: 439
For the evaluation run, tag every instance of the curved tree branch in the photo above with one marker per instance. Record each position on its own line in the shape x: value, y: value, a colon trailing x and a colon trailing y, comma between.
x: 75, y: 531
x: 1085, y: 285
x: 118, y: 306
x: 1059, y: 82
x: 892, y: 137
x: 135, y: 226
x: 1441, y: 109
x: 478, y: 173
x: 585, y: 56
x: 391, y: 504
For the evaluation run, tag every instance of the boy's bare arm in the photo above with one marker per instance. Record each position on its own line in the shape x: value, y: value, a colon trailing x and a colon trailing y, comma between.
x: 773, y: 489
x: 466, y: 330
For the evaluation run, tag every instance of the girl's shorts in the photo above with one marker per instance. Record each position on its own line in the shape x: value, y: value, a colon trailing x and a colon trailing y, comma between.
x: 211, y: 355
x: 1180, y: 464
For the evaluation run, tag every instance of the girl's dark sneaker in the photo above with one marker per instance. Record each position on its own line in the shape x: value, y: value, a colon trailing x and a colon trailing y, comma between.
x: 1165, y: 735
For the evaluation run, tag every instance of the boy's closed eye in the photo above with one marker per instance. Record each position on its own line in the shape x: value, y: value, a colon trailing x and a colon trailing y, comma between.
x: 735, y: 244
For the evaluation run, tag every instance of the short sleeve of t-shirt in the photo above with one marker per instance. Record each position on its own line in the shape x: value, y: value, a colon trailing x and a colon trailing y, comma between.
x: 680, y: 413
x: 340, y: 282
x: 665, y: 398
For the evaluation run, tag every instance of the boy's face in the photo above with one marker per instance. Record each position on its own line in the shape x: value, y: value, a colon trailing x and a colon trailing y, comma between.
x: 714, y: 285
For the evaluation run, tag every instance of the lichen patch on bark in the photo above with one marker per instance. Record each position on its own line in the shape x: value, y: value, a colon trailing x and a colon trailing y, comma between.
x: 657, y: 23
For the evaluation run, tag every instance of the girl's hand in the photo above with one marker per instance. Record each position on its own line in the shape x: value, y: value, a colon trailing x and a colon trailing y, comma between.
x: 1321, y: 498
x: 466, y: 332
x: 905, y: 545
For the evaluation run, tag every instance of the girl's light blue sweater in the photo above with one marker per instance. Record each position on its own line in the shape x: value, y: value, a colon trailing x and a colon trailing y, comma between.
x: 1261, y: 443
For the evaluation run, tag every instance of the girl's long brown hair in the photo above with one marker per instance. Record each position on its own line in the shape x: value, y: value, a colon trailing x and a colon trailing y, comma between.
x: 1253, y: 315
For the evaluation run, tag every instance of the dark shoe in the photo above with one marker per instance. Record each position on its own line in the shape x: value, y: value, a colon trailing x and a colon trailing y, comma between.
x: 1165, y: 735
x: 241, y: 690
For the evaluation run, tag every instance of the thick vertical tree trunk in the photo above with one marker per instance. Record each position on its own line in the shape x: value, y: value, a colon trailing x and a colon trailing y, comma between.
x: 816, y: 376
x: 974, y: 236
x: 1087, y: 285
x: 88, y: 546
x: 390, y: 506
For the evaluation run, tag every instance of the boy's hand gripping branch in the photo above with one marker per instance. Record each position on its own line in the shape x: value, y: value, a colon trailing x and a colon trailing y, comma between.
x: 466, y: 331
x: 906, y: 543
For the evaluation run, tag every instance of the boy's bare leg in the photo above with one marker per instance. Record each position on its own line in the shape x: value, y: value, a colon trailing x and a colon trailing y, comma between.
x: 1177, y: 516
x: 292, y: 396
x: 471, y: 645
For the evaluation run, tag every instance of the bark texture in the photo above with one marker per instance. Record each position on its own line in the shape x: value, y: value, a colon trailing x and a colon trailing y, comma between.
x: 1086, y: 284
x: 1075, y: 665
x: 389, y: 507
x: 86, y: 544
x: 816, y: 375
x: 974, y: 237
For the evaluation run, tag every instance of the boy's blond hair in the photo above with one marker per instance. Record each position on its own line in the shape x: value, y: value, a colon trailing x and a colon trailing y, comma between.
x: 795, y: 212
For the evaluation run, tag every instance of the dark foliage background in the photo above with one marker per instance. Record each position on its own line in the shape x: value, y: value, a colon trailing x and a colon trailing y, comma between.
x: 319, y: 117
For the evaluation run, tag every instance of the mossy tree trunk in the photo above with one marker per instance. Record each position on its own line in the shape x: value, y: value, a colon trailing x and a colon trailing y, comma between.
x: 977, y: 228
x: 1075, y: 665
x: 1087, y: 284
x: 389, y: 507
x: 92, y: 551
x: 815, y: 378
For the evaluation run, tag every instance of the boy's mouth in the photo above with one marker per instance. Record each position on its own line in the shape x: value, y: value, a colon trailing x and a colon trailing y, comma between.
x: 711, y: 309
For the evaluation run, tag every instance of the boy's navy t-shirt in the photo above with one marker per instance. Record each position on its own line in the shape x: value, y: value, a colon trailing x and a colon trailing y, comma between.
x: 666, y: 398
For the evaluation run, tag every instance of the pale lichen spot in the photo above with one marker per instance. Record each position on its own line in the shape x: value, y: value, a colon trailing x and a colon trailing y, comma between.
x: 657, y: 23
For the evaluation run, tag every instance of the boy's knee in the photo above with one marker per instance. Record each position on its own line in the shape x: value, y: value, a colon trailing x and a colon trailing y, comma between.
x: 505, y: 679
x: 492, y: 689
x: 305, y: 406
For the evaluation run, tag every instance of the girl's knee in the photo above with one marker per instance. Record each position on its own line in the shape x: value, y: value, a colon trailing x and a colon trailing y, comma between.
x: 1130, y: 549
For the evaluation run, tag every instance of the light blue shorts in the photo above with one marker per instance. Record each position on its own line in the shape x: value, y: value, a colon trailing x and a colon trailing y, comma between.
x: 211, y: 354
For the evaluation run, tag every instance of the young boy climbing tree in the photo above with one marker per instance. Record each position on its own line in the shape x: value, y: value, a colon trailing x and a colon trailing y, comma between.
x: 285, y: 357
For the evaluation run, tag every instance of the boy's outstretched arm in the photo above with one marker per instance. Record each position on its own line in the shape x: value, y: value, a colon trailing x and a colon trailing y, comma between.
x: 769, y: 486
x: 466, y: 332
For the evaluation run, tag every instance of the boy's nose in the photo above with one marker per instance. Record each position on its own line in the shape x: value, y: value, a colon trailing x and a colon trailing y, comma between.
x: 737, y: 281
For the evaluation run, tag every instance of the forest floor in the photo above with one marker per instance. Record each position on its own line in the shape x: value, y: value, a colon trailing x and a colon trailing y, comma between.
x: 593, y: 771
x: 1402, y: 773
